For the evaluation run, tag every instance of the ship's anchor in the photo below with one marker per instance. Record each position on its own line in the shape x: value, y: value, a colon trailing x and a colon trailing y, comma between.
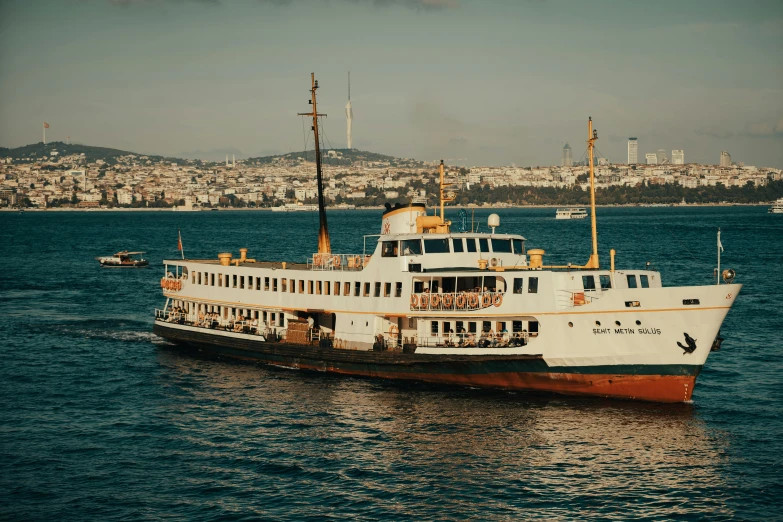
x: 716, y: 343
x: 690, y: 341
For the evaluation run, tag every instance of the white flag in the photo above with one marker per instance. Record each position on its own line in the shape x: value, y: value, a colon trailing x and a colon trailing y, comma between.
x: 720, y: 245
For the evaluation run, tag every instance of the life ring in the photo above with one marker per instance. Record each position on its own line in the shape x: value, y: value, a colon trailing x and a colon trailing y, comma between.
x: 461, y: 301
x: 414, y: 301
x: 448, y: 300
x: 357, y: 261
x: 497, y: 300
x: 486, y: 300
x: 473, y: 300
x: 178, y: 286
x: 425, y: 301
x: 336, y: 261
x: 493, y: 262
x: 434, y: 300
x: 163, y: 282
x: 393, y: 332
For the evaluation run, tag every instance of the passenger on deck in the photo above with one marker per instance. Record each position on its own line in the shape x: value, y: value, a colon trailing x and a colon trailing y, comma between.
x: 470, y: 341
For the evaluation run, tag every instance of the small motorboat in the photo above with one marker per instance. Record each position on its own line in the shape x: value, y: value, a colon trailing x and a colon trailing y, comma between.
x: 124, y: 259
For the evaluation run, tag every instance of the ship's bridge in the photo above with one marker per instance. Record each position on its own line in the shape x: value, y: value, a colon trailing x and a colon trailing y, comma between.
x: 452, y: 251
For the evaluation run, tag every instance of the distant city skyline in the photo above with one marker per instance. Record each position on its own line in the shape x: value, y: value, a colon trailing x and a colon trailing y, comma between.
x: 434, y: 78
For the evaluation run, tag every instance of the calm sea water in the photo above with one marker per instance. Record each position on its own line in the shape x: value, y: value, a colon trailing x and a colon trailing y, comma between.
x: 101, y: 420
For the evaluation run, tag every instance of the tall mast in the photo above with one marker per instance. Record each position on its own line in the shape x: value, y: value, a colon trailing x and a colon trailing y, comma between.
x: 324, y: 245
x: 592, y: 135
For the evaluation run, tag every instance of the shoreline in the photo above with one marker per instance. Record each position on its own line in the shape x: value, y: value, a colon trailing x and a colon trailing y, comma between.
x: 268, y: 209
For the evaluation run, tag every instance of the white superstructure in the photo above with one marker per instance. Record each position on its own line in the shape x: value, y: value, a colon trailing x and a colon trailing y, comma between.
x: 571, y: 213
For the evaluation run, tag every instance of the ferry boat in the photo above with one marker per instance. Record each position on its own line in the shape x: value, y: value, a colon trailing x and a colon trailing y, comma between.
x: 423, y: 302
x: 124, y: 259
x: 570, y: 213
x: 295, y: 207
x: 777, y: 207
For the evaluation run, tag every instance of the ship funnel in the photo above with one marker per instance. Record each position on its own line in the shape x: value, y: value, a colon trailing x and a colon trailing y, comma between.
x: 242, y: 255
x: 536, y: 257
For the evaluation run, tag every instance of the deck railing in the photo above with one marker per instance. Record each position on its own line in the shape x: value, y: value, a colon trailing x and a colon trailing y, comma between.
x: 459, y: 301
x: 469, y: 340
x: 269, y: 333
x: 338, y: 261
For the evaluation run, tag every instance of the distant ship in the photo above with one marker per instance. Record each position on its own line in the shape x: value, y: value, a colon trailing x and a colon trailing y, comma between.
x: 570, y: 213
x: 295, y: 207
x: 424, y: 302
x: 777, y: 207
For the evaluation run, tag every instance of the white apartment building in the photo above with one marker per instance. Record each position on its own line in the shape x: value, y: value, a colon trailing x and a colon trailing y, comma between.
x: 652, y: 158
x: 633, y: 151
x: 678, y: 157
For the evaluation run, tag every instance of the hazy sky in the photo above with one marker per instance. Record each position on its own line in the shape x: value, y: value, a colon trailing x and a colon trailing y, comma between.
x: 475, y: 82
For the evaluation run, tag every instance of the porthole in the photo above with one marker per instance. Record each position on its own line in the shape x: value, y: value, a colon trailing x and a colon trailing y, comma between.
x: 638, y: 322
x: 367, y: 323
x: 570, y: 324
x: 598, y: 323
x: 617, y: 323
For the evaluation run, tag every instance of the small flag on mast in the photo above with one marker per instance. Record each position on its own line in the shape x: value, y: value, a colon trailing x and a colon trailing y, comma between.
x: 179, y: 243
x: 720, y: 245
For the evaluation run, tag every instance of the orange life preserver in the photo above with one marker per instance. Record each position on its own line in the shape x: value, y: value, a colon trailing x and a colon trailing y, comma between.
x: 434, y: 300
x: 336, y: 261
x: 473, y: 300
x: 448, y: 300
x: 486, y: 300
x: 497, y: 300
x: 425, y: 301
x: 357, y: 261
x: 461, y: 300
x: 414, y: 301
x: 393, y: 332
x: 178, y: 286
x: 163, y: 282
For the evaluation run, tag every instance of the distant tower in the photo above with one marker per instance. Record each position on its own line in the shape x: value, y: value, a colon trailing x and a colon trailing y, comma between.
x: 567, y: 159
x: 349, y: 114
x: 233, y: 161
x: 725, y: 158
x: 662, y: 159
x: 678, y: 157
x: 633, y: 151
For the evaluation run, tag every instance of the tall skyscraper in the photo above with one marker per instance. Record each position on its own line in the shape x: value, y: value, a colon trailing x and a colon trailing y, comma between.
x: 633, y: 151
x: 651, y: 157
x: 678, y: 157
x: 725, y: 158
x: 349, y: 114
x: 568, y: 160
x: 662, y: 157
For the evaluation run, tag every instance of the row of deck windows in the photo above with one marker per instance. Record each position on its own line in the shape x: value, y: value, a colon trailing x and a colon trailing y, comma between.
x: 486, y: 326
x: 376, y: 289
x: 413, y: 247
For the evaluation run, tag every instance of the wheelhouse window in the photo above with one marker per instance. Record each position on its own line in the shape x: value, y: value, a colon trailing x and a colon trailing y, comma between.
x: 389, y: 249
x: 501, y: 246
x: 484, y: 244
x: 532, y: 285
x: 470, y: 242
x: 411, y: 247
x: 519, y: 284
x: 519, y: 246
x: 631, y: 281
x: 644, y: 280
x: 436, y: 246
x: 588, y: 282
x: 606, y: 282
x: 457, y: 244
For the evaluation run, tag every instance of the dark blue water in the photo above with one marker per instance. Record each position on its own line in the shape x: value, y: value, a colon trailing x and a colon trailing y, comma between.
x: 100, y: 420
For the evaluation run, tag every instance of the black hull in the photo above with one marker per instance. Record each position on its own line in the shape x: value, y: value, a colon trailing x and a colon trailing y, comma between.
x: 668, y: 383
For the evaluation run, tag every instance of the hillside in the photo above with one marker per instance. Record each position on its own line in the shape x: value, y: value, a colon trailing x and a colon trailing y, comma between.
x: 345, y: 157
x: 91, y: 153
